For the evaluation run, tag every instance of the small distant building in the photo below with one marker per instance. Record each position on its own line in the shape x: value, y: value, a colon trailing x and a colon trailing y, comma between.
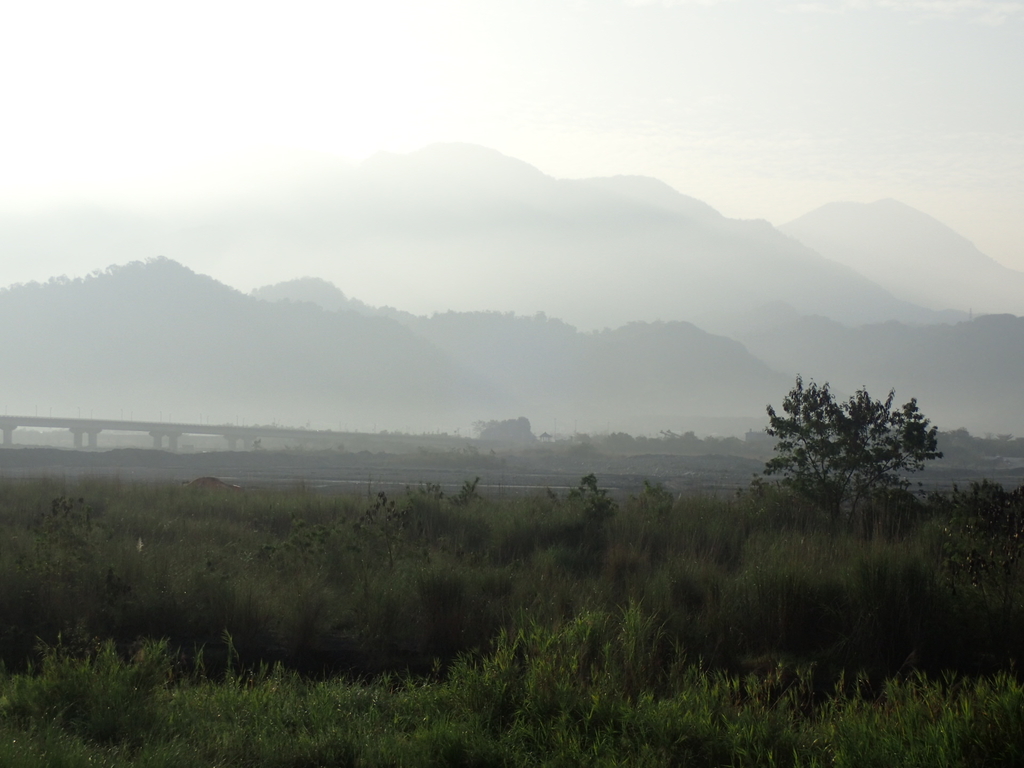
x: 546, y: 438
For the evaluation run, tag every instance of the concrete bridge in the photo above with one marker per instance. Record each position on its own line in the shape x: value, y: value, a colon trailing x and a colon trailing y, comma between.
x: 86, y: 431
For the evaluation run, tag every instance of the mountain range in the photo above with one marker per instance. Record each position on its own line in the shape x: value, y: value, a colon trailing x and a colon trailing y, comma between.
x: 156, y: 340
x: 463, y: 228
x: 661, y: 313
x: 911, y: 255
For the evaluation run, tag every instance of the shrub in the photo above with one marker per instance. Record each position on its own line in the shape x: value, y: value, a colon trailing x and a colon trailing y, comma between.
x: 836, y: 453
x: 95, y: 695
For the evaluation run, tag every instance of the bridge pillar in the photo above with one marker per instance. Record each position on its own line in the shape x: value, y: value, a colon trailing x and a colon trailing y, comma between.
x: 78, y: 437
x: 172, y: 440
x: 8, y: 435
x: 93, y: 435
x: 232, y: 442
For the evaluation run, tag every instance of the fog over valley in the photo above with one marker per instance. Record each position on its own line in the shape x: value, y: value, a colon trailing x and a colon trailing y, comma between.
x: 611, y: 374
x: 603, y: 216
x: 454, y: 285
x: 488, y: 232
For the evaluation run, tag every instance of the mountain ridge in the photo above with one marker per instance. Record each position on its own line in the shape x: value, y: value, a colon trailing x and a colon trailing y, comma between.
x: 911, y: 254
x: 154, y: 336
x: 965, y: 374
x: 465, y: 228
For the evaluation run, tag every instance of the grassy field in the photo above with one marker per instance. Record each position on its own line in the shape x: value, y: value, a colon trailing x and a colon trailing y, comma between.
x: 164, y: 625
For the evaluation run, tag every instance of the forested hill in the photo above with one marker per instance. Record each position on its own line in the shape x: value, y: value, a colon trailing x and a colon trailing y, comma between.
x: 639, y: 377
x: 155, y: 339
x: 464, y: 228
x: 967, y: 374
x: 914, y: 256
x: 964, y: 374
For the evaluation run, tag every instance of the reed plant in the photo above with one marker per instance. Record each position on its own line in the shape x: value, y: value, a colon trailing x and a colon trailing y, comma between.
x: 604, y: 688
x: 762, y: 578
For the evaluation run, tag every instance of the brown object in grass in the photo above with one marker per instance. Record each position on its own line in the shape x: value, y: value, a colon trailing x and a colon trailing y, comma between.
x: 212, y: 482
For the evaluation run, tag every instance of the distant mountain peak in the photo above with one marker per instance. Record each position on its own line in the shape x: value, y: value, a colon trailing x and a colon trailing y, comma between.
x: 463, y: 227
x: 462, y: 161
x: 654, y: 192
x: 911, y: 254
x: 314, y: 290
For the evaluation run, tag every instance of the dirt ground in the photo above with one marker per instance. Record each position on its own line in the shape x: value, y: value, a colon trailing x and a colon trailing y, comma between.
x: 367, y: 472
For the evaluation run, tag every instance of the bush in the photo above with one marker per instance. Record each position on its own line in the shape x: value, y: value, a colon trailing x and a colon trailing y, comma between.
x: 95, y: 695
x: 836, y: 453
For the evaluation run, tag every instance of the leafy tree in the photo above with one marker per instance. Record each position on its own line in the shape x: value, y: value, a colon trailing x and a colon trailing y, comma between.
x: 509, y: 430
x: 467, y: 493
x: 598, y: 506
x: 842, y: 452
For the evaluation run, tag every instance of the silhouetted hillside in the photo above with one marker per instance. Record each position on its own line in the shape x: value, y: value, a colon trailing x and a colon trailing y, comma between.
x: 155, y: 337
x: 155, y: 340
x: 647, y: 375
x: 911, y: 255
x: 640, y: 377
x: 968, y: 374
x: 460, y: 227
x: 643, y: 376
x: 315, y: 290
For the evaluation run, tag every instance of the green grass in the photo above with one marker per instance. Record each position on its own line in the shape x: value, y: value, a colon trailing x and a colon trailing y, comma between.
x: 603, y: 689
x: 159, y: 625
x: 287, y: 573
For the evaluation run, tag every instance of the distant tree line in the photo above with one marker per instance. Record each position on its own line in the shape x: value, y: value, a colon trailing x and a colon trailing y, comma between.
x: 506, y: 431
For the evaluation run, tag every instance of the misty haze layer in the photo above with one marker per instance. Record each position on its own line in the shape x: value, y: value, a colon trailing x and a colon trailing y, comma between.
x: 154, y: 338
x: 463, y: 228
x: 911, y: 255
x: 965, y: 374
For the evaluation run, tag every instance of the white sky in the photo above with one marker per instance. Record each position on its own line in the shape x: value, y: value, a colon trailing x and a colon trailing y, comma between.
x: 762, y: 108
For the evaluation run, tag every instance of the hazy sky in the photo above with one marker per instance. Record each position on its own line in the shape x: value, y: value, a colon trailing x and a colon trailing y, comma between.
x: 762, y: 108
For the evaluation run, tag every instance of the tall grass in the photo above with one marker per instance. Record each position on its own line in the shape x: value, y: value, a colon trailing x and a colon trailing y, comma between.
x: 399, y: 581
x: 605, y: 688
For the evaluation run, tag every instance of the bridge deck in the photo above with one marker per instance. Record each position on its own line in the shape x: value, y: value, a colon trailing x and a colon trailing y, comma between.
x: 157, y: 429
